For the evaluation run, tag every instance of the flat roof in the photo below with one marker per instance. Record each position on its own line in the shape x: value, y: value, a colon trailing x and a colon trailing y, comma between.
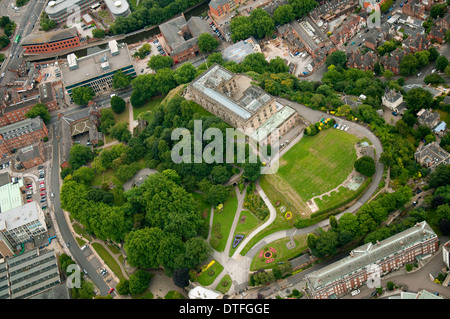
x: 90, y: 66
x: 117, y: 7
x: 272, y: 123
x: 10, y: 196
x: 238, y: 51
x: 20, y: 215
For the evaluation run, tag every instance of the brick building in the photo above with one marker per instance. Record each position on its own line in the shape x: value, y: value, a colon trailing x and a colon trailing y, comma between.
x: 21, y: 134
x: 371, y: 260
x: 179, y: 37
x: 218, y: 8
x: 51, y: 41
x: 31, y: 156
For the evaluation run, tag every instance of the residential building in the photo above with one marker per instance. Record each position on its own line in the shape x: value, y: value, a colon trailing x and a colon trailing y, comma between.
x: 179, y: 37
x: 423, y: 294
x: 417, y: 8
x: 392, y: 99
x: 242, y: 105
x: 28, y: 274
x: 347, y: 30
x: 97, y: 70
x: 371, y: 261
x: 446, y: 253
x: 428, y: 118
x: 31, y: 156
x: 218, y: 8
x: 431, y: 155
x: 361, y: 61
x: 331, y: 10
x: 18, y: 135
x: 50, y: 41
x: 20, y: 224
x: 440, y: 129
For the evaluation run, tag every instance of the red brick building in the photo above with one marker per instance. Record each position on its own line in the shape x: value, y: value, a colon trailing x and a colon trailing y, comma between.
x: 21, y: 134
x: 370, y: 261
x: 31, y: 156
x: 51, y: 41
x: 179, y: 37
x: 218, y: 8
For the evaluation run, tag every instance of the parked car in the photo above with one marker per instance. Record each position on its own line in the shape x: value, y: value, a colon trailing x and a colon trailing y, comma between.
x: 355, y: 292
x: 394, y: 113
x: 110, y: 290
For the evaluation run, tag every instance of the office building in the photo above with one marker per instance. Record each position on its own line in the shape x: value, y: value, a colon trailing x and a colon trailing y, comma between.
x: 97, y: 70
x: 51, y: 41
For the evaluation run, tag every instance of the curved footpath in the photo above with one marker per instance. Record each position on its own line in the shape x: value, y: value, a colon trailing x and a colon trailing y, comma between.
x: 238, y: 266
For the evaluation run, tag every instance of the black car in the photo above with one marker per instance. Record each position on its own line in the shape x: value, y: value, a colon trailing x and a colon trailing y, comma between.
x: 41, y: 167
x: 374, y: 294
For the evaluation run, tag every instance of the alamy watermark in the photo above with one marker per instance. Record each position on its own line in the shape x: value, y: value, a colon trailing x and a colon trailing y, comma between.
x: 221, y: 149
x: 374, y: 19
x: 74, y: 279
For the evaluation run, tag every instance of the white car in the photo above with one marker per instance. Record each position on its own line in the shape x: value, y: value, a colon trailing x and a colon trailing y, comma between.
x: 342, y: 127
x: 346, y: 128
x: 355, y: 292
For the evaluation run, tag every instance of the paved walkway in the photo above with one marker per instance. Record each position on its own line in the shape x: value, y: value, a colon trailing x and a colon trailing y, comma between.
x: 238, y: 266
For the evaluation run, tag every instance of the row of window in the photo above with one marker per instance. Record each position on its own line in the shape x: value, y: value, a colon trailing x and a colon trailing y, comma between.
x: 52, y: 47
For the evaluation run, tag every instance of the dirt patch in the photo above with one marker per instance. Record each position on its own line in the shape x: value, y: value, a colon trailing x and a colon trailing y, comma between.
x: 243, y: 218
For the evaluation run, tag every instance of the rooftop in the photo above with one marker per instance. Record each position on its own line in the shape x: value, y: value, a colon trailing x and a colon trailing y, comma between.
x: 244, y: 101
x: 369, y: 254
x: 10, y: 196
x: 20, y: 128
x: 20, y: 215
x: 90, y: 66
x: 49, y: 37
x: 238, y: 51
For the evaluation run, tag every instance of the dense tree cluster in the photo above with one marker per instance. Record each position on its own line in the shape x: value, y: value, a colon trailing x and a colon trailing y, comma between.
x: 351, y: 227
x: 151, y: 12
x: 39, y: 110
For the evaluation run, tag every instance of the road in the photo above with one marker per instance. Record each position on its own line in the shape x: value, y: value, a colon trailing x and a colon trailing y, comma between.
x: 66, y: 234
x: 25, y: 27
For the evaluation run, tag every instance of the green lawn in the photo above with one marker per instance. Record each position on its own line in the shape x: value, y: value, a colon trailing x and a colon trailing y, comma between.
x: 124, y: 116
x: 282, y: 252
x: 222, y: 223
x: 208, y: 276
x: 224, y: 284
x: 245, y: 228
x: 335, y: 198
x: 147, y: 106
x: 319, y: 163
x: 445, y: 116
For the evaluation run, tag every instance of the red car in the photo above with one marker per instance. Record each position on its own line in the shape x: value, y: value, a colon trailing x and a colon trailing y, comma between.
x: 42, y: 194
x: 29, y: 186
x: 42, y: 189
x: 110, y: 290
x: 30, y: 200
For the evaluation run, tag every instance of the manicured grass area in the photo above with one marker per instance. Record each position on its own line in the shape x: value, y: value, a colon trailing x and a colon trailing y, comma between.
x: 174, y: 295
x: 335, y: 198
x: 250, y: 223
x: 222, y: 223
x: 208, y: 276
x: 319, y: 163
x: 282, y: 252
x: 125, y: 115
x: 114, y: 249
x: 99, y: 178
x: 109, y: 260
x: 80, y: 241
x: 145, y: 295
x: 445, y: 116
x: 80, y: 230
x: 224, y: 284
x: 147, y: 106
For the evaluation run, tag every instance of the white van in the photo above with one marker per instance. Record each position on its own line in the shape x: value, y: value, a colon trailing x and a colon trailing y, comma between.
x: 355, y: 292
x: 83, y: 248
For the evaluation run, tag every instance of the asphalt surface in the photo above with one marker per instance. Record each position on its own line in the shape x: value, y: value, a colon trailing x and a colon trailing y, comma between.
x: 78, y: 255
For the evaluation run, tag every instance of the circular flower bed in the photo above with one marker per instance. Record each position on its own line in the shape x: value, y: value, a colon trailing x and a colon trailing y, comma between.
x: 288, y: 215
x: 211, y: 272
x: 282, y: 209
x: 267, y: 254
